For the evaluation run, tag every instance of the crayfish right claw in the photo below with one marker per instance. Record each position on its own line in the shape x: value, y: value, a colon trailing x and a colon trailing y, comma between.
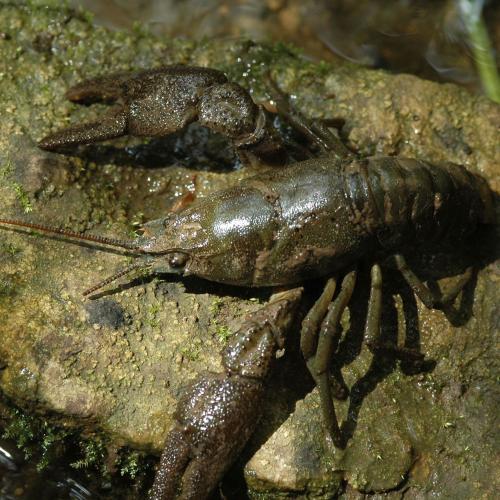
x: 111, y: 126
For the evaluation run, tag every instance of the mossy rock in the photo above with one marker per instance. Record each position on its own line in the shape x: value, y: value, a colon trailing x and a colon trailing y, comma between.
x: 117, y: 363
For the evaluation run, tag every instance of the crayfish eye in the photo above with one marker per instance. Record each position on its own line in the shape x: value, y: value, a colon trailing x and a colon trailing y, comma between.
x: 177, y: 259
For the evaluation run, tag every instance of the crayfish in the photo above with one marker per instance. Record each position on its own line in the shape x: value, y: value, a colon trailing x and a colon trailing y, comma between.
x: 316, y: 218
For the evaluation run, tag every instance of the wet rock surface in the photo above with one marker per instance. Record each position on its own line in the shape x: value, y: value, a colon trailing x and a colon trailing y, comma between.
x: 118, y: 361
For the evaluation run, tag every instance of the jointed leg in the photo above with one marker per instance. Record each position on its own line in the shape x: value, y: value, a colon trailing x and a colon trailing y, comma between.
x: 372, y: 328
x: 326, y: 345
x: 431, y: 299
x: 314, y: 130
x: 334, y: 144
x: 310, y: 329
x: 329, y: 327
x: 318, y: 363
x: 313, y: 319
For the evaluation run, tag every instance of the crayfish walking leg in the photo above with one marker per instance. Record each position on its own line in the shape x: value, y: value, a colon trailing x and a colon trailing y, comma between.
x: 320, y: 332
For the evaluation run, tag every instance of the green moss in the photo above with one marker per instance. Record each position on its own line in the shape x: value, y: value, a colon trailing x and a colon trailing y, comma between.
x: 191, y: 352
x: 6, y: 170
x: 21, y: 194
x: 136, y: 222
x: 94, y: 454
x: 9, y: 249
x: 21, y: 430
x: 45, y: 442
x: 50, y: 443
x: 151, y: 318
x: 216, y: 305
x: 223, y: 333
x: 141, y: 30
x: 22, y: 197
x: 131, y: 463
x: 35, y: 436
x: 153, y: 309
x: 251, y: 67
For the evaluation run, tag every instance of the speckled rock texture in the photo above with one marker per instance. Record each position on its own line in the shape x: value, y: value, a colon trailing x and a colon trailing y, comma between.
x: 117, y: 362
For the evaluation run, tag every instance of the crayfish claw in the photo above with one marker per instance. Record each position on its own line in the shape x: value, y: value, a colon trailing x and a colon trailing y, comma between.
x: 110, y: 126
x: 218, y: 413
x: 173, y: 462
x: 105, y: 89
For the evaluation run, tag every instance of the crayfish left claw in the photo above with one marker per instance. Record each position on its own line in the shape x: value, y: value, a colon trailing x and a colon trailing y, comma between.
x: 217, y: 414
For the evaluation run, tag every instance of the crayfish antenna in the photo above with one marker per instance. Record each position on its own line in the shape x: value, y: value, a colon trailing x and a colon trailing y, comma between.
x: 129, y: 245
x: 114, y: 277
